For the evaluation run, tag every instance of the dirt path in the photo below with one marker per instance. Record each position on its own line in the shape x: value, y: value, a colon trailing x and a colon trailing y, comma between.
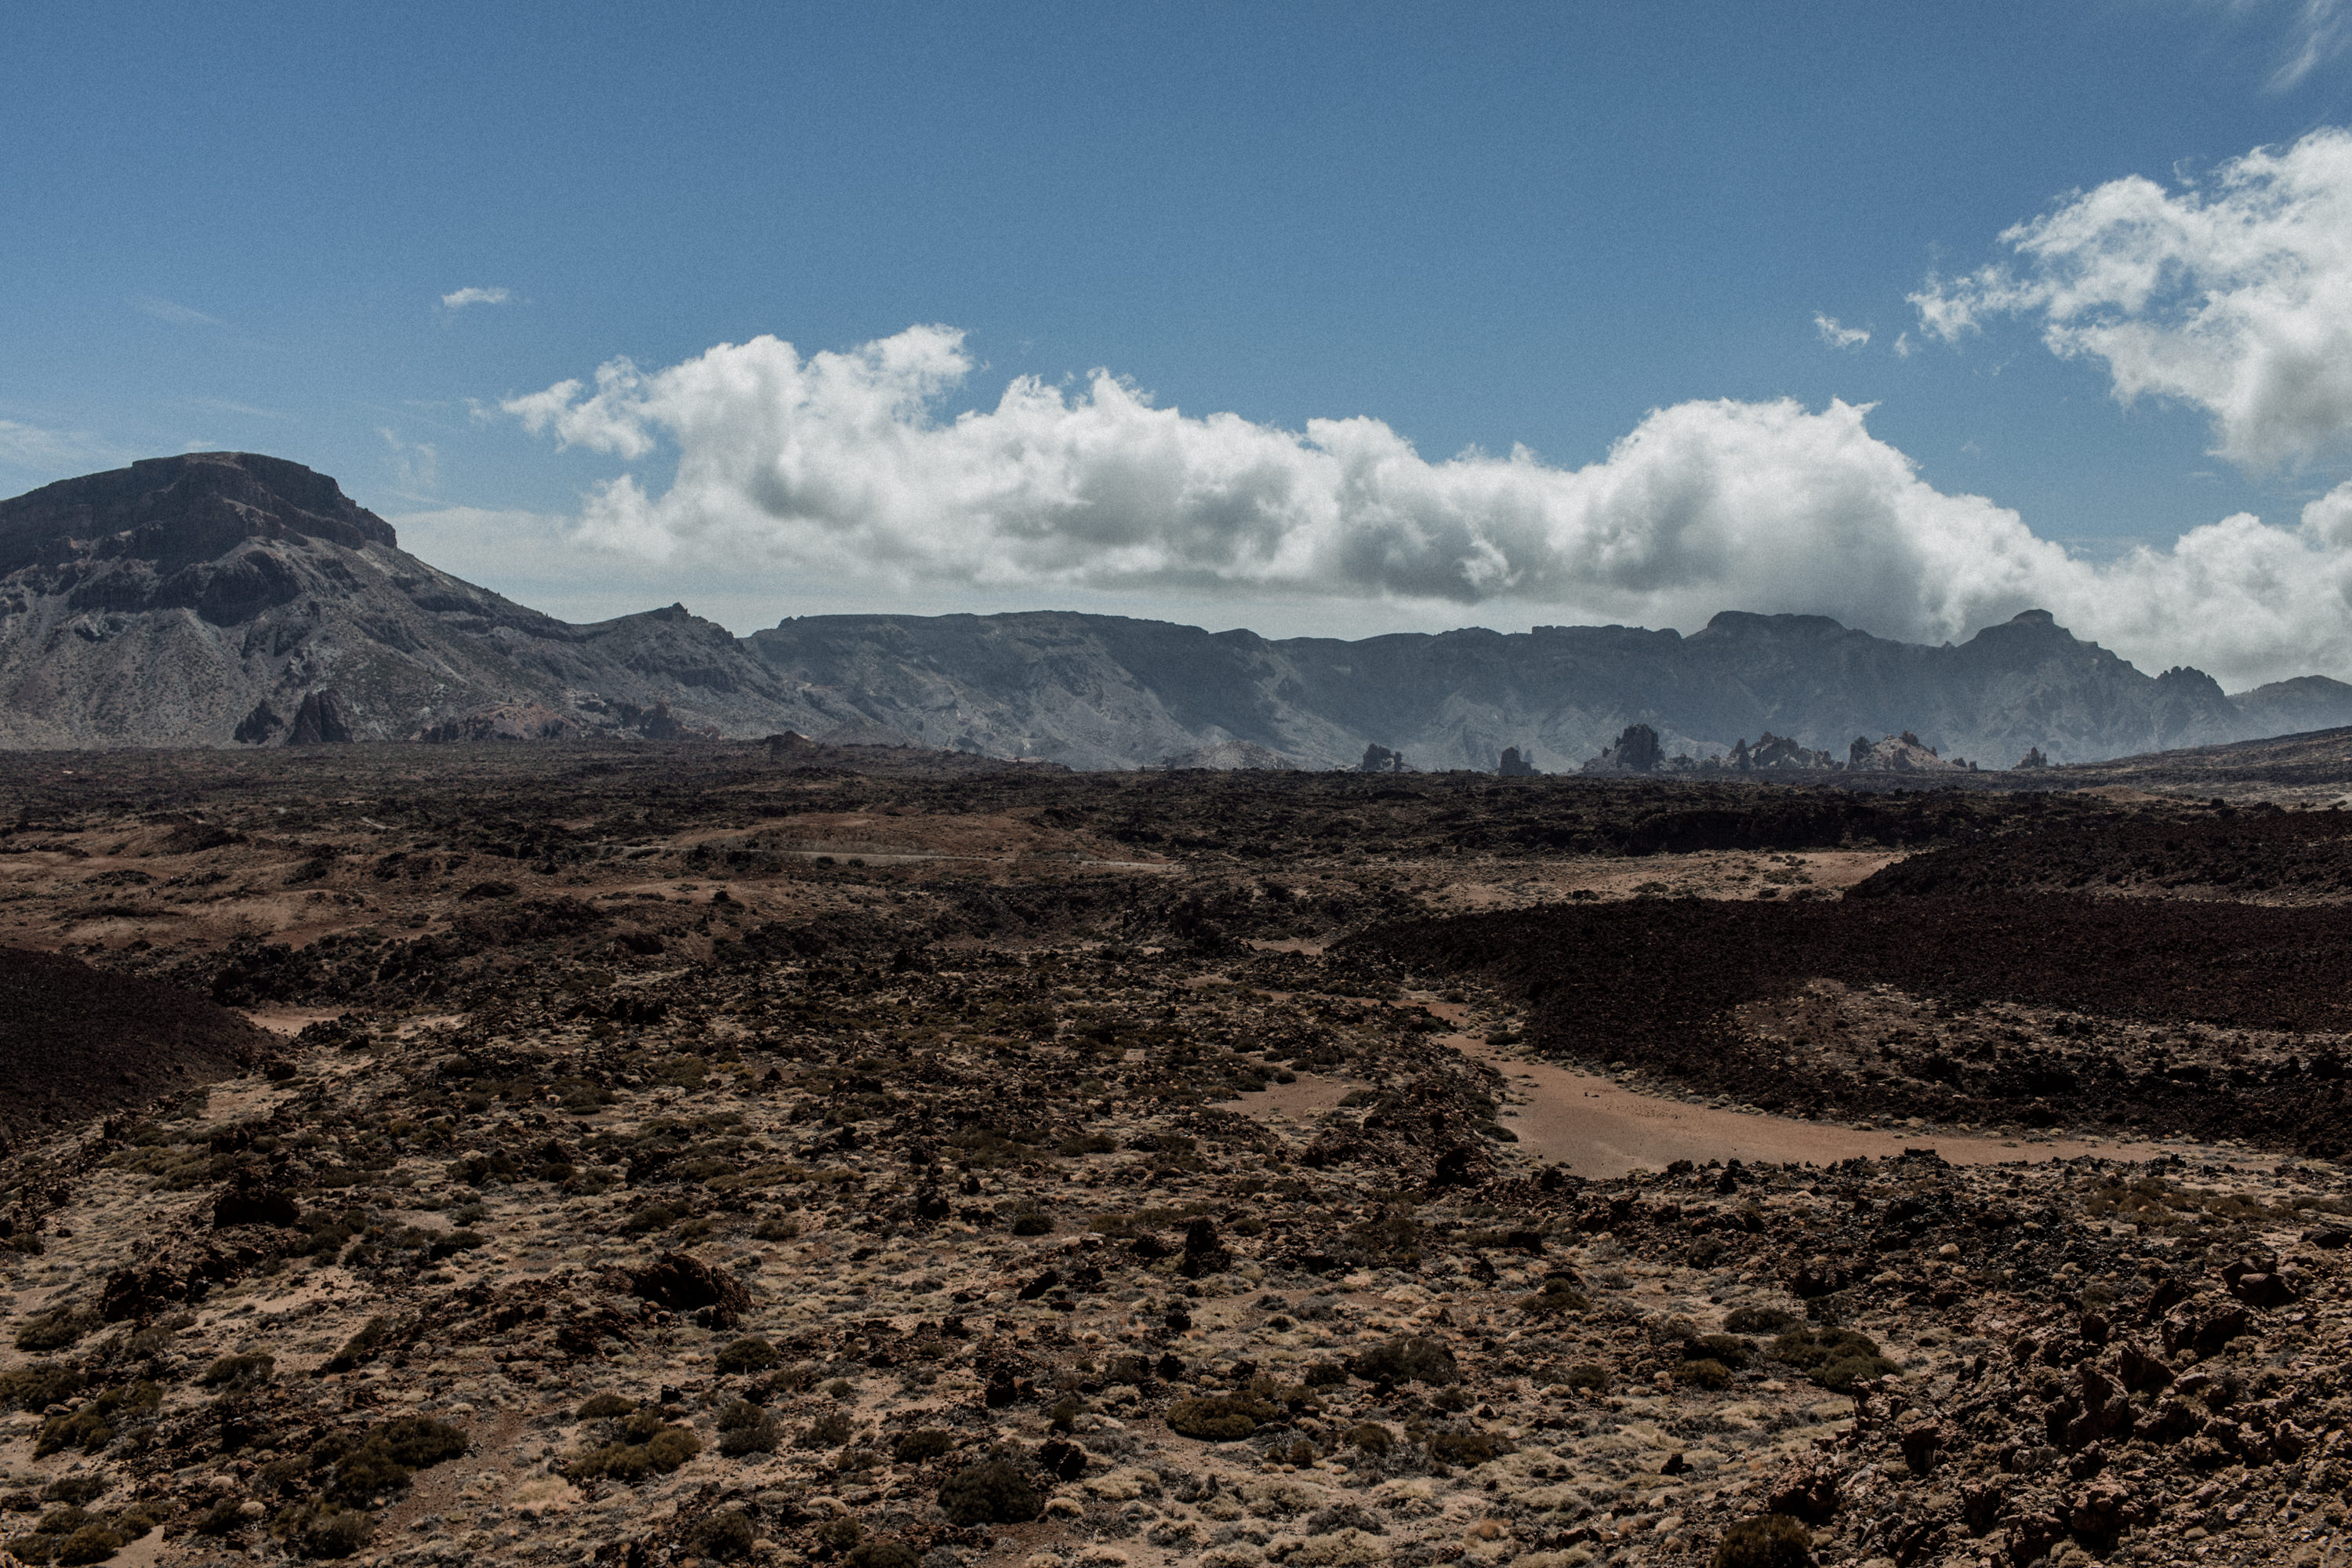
x: 1307, y: 1098
x: 1596, y: 1128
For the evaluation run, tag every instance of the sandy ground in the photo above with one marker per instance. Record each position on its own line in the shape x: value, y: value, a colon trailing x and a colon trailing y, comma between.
x: 1307, y: 1098
x: 1596, y: 1128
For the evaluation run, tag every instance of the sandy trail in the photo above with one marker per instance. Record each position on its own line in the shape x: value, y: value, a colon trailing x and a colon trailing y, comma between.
x: 1596, y: 1128
x: 1307, y: 1098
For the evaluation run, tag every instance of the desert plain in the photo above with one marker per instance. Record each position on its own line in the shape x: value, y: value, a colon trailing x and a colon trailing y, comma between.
x: 710, y: 1152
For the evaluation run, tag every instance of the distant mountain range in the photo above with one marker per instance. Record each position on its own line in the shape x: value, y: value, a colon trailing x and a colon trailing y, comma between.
x: 227, y: 599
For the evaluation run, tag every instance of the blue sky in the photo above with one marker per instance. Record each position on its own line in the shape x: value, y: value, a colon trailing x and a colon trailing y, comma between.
x: 236, y: 226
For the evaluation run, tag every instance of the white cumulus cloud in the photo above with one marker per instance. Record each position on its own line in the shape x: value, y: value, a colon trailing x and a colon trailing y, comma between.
x: 1837, y: 334
x: 458, y: 298
x: 2232, y: 293
x: 845, y: 466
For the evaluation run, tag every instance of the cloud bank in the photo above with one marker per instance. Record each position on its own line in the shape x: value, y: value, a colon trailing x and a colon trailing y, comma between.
x: 2232, y: 294
x: 843, y: 465
x: 458, y: 298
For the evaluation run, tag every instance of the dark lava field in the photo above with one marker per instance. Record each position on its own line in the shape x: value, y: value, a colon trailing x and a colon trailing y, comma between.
x: 782, y: 1155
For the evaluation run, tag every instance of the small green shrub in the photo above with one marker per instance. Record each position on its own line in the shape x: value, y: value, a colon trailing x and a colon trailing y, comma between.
x: 319, y: 1528
x: 94, y: 1426
x: 1324, y: 1375
x: 663, y: 1451
x: 365, y: 1346
x: 80, y: 1490
x: 725, y: 1536
x: 791, y: 1380
x: 1371, y: 1437
x: 1464, y: 1448
x: 37, y: 1385
x: 1032, y: 1224
x: 745, y: 1428
x: 747, y: 1440
x: 1836, y: 1358
x: 1707, y: 1372
x: 753, y: 1355
x: 603, y: 1407
x: 1588, y: 1375
x: 1729, y: 1349
x: 990, y: 1492
x: 653, y: 1217
x: 1775, y: 1540
x: 1403, y: 1359
x: 1557, y: 1298
x: 830, y: 1430
x: 388, y: 1455
x: 55, y: 1330
x: 224, y: 1518
x: 1218, y: 1418
x: 1758, y: 1321
x: 671, y: 1448
x: 883, y: 1551
x: 920, y: 1446
x: 240, y: 1371
x: 92, y: 1543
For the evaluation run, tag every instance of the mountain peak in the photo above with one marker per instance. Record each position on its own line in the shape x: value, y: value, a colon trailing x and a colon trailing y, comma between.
x: 193, y: 506
x: 1748, y: 622
x: 2034, y: 618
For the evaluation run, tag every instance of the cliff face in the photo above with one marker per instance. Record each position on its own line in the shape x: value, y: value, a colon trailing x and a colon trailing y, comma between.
x: 1099, y: 691
x: 228, y: 598
x: 203, y: 600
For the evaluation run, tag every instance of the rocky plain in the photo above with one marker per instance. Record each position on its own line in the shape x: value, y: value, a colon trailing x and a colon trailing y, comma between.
x: 687, y: 1153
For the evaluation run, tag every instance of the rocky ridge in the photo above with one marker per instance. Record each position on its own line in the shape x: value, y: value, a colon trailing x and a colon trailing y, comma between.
x: 229, y: 598
x: 226, y: 598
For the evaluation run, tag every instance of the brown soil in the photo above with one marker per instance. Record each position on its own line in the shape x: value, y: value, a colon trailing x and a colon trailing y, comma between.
x: 597, y: 1067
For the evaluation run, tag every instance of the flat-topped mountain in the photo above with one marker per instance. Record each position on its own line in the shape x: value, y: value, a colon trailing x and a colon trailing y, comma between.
x: 228, y: 598
x: 225, y: 597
